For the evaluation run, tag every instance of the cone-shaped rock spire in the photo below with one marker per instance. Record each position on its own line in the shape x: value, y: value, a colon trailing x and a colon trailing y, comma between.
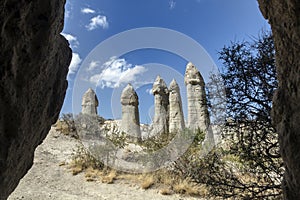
x: 198, y: 117
x: 130, y: 113
x: 176, y: 119
x: 161, y: 107
x: 89, y: 102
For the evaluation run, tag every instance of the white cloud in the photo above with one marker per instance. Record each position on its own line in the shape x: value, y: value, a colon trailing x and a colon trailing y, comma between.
x: 172, y: 4
x: 72, y: 40
x: 74, y: 65
x: 116, y: 73
x: 67, y: 13
x: 130, y: 74
x: 93, y: 65
x: 98, y: 21
x: 149, y: 91
x: 87, y: 11
x: 68, y: 9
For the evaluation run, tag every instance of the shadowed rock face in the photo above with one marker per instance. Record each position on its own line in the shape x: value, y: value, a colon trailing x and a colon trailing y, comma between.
x: 130, y: 113
x: 34, y: 61
x: 176, y: 113
x: 161, y: 105
x: 284, y: 17
x: 89, y: 102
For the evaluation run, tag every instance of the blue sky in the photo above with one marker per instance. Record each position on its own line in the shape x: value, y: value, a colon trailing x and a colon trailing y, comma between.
x: 211, y: 23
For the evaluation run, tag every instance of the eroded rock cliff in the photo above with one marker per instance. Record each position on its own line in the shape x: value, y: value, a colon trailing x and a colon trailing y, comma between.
x: 284, y: 17
x: 34, y: 61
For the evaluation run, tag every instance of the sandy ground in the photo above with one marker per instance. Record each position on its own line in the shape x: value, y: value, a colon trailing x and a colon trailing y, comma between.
x: 47, y: 180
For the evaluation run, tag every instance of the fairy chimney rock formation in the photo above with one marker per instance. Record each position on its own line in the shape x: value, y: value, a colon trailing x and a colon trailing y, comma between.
x: 176, y: 118
x: 198, y: 117
x: 161, y: 107
x: 89, y: 102
x: 130, y: 113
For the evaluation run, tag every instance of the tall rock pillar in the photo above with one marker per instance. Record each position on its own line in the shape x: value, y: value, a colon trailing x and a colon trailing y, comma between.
x: 176, y: 119
x: 161, y: 104
x: 89, y: 102
x: 130, y: 113
x: 198, y: 117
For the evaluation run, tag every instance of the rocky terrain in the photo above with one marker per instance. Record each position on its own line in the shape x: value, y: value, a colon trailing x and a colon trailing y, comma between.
x: 48, y: 180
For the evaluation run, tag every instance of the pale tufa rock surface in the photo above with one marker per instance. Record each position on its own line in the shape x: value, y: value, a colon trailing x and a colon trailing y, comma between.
x: 89, y: 102
x: 176, y: 121
x: 160, y: 122
x: 130, y: 113
x: 198, y: 117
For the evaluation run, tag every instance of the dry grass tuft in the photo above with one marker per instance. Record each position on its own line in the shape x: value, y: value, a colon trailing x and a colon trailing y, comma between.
x: 167, y: 182
x: 125, y: 176
x: 166, y: 191
x: 203, y: 190
x: 167, y: 179
x: 62, y: 126
x: 109, y: 179
x: 147, y: 182
x: 81, y: 161
x: 76, y: 169
x: 62, y: 163
x: 92, y: 174
x: 186, y: 187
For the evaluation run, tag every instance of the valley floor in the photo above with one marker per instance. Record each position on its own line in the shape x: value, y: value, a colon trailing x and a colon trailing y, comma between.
x: 46, y: 180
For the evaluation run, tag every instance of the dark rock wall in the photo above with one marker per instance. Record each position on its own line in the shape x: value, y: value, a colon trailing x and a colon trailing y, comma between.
x: 34, y: 61
x: 284, y: 17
